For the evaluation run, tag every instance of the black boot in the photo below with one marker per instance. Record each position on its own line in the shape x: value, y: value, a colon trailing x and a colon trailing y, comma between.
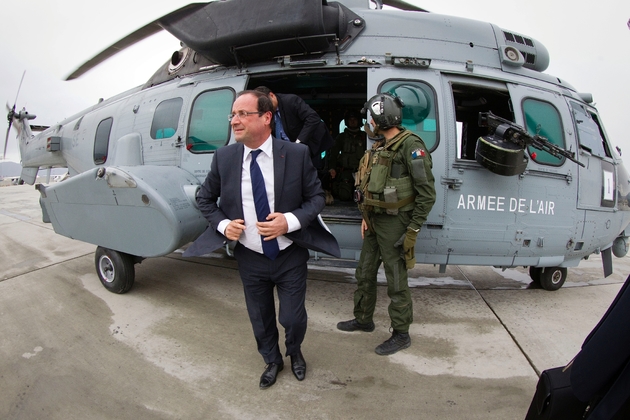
x: 354, y: 325
x: 397, y: 341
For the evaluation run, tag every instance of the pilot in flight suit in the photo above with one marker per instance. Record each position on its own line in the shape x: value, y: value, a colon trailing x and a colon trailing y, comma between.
x: 395, y: 193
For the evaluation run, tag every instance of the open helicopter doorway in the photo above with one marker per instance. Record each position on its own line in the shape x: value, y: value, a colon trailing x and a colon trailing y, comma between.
x: 329, y: 93
x: 332, y: 94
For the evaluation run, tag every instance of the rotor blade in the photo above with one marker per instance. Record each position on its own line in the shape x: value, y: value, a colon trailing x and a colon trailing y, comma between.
x: 133, y: 38
x: 129, y: 40
x: 6, y: 140
x: 10, y: 119
x: 10, y: 116
x: 403, y: 5
x: 18, y: 92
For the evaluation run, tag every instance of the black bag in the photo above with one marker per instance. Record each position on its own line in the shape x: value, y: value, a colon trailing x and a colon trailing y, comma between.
x: 554, y: 398
x: 596, y: 384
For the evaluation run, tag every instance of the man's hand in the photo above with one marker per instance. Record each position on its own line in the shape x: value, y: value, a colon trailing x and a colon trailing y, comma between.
x: 276, y: 225
x: 364, y: 227
x: 408, y: 243
x: 234, y: 229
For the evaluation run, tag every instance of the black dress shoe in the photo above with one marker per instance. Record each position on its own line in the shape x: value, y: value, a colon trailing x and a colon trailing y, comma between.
x: 268, y: 377
x: 298, y: 365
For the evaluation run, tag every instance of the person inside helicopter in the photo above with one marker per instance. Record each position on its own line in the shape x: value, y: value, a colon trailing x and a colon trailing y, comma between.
x: 345, y: 155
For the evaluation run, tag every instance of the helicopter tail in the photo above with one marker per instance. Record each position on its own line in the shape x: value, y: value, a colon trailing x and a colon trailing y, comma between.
x: 17, y: 119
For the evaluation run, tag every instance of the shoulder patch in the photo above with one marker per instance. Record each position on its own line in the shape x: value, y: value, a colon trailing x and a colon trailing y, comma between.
x: 418, y: 153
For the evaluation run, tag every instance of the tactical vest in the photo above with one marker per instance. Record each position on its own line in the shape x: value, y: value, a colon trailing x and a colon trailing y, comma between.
x: 379, y: 182
x: 351, y: 151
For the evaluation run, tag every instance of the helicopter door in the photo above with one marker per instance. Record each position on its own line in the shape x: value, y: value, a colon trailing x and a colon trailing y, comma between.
x: 158, y: 115
x: 597, y: 179
x: 511, y: 218
x: 208, y: 127
x: 481, y: 207
x: 550, y: 183
x: 420, y: 115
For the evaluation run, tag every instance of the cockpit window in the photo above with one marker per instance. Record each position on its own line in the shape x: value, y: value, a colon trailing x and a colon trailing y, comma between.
x: 209, y: 126
x: 166, y: 118
x: 590, y: 133
x: 419, y: 113
x: 543, y: 119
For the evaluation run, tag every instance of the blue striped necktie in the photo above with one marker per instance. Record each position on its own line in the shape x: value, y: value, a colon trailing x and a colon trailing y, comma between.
x: 270, y: 248
x: 280, y: 133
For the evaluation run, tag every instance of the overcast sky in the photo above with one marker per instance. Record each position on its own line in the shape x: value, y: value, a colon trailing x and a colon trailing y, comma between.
x: 588, y: 42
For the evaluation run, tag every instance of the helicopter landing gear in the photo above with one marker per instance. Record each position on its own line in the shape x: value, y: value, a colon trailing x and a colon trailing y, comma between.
x: 534, y: 273
x: 114, y: 269
x: 549, y: 278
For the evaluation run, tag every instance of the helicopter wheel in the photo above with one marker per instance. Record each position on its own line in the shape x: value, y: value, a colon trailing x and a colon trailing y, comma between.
x: 534, y: 273
x: 552, y: 278
x: 114, y: 269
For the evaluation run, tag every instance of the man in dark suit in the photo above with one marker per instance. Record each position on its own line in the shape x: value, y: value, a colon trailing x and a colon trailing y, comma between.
x: 289, y: 225
x: 297, y: 122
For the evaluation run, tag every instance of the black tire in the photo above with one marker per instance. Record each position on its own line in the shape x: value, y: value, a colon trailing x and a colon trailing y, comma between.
x: 114, y: 269
x: 534, y: 273
x: 552, y: 278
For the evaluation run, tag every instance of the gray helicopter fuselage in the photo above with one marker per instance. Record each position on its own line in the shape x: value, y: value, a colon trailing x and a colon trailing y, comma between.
x: 136, y: 160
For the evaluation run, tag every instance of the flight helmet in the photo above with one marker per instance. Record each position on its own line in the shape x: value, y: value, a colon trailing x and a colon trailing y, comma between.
x: 385, y: 109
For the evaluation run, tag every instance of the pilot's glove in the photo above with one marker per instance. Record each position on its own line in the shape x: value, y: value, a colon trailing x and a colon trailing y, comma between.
x: 408, y: 243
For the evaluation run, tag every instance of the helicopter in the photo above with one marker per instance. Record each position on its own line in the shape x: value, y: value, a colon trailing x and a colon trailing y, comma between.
x: 525, y: 173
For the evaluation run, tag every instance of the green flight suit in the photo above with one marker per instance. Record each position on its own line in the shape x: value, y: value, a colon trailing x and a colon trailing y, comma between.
x: 410, y: 159
x: 345, y: 156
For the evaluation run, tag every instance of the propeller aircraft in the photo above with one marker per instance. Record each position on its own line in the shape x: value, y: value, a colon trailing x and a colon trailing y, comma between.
x: 525, y: 173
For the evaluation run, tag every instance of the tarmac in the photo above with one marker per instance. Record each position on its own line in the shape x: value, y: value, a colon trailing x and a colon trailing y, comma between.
x: 179, y: 345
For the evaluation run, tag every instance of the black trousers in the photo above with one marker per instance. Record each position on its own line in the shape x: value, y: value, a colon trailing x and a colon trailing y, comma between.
x: 260, y: 275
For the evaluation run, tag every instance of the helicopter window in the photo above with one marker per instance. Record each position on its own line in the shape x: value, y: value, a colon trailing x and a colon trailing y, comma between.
x: 166, y: 118
x: 589, y: 131
x: 543, y: 119
x: 101, y: 140
x: 209, y: 127
x: 469, y: 101
x: 419, y: 113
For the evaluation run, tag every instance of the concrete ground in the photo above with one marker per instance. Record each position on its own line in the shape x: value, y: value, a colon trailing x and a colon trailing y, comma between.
x: 179, y: 345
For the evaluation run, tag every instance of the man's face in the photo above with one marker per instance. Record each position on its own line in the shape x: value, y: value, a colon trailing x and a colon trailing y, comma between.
x: 274, y: 100
x: 353, y: 122
x: 251, y: 129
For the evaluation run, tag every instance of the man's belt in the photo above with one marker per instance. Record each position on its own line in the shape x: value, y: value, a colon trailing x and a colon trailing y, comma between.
x: 382, y: 204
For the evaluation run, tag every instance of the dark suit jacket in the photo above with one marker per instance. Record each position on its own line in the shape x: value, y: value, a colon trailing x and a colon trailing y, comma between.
x: 605, y: 353
x: 297, y: 190
x: 301, y: 122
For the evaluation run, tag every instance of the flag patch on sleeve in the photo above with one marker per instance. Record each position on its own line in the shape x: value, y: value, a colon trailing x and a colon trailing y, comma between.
x: 418, y: 153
